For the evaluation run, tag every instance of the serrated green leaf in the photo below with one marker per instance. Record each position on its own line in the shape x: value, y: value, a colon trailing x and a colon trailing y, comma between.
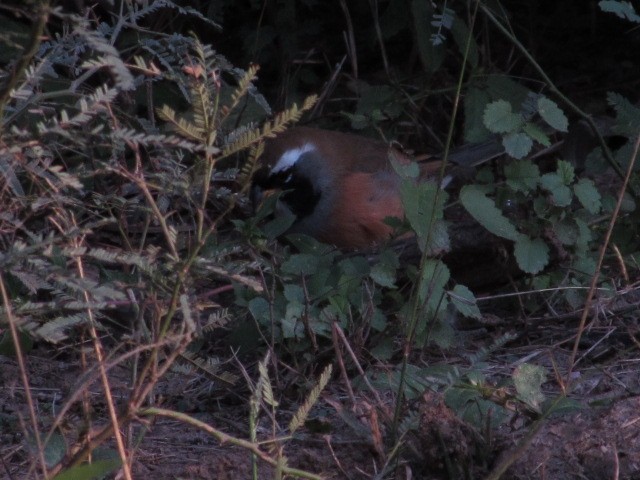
x: 566, y: 172
x: 499, y: 117
x: 355, y: 267
x: 486, y: 213
x: 517, y: 145
x: 465, y: 301
x: 560, y: 193
x: 522, y: 175
x: 532, y: 254
x: 627, y: 115
x: 384, y: 271
x: 383, y: 349
x: 528, y: 381
x: 536, y: 133
x: 259, y: 308
x: 551, y: 113
x: 588, y: 195
x: 585, y: 265
x: 566, y: 231
x: 584, y: 232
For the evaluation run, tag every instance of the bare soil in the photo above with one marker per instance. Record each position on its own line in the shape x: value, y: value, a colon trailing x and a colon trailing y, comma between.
x: 600, y: 441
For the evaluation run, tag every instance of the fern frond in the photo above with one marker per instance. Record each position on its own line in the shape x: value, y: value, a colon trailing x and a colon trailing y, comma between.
x: 244, y: 84
x: 54, y: 331
x: 180, y: 125
x: 269, y: 129
x: 211, y: 367
x: 30, y: 281
x: 216, y: 320
x: 172, y: 141
x: 8, y: 173
x: 150, y: 7
x: 627, y: 115
x: 249, y: 167
x: 110, y: 57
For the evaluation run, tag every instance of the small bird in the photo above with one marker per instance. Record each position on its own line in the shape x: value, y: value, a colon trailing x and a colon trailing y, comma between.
x: 339, y: 187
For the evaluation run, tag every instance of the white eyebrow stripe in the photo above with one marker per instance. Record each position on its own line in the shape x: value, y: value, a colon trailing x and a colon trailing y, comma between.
x: 290, y: 157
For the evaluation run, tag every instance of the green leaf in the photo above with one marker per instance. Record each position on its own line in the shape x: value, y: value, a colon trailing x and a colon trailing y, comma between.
x: 259, y: 309
x: 435, y: 276
x: 536, y: 133
x: 622, y: 9
x: 279, y: 225
x: 503, y: 87
x: 438, y: 239
x: 566, y: 172
x: 551, y: 113
x: 384, y: 271
x: 99, y: 469
x: 8, y: 348
x: 423, y: 204
x: 383, y: 350
x: 486, y: 213
x: 627, y: 115
x: 528, y: 380
x: 532, y: 255
x: 517, y: 145
x: 560, y: 193
x: 585, y: 266
x: 584, y: 235
x: 54, y: 450
x: 566, y: 231
x: 522, y: 175
x: 301, y: 264
x: 465, y: 301
x: 563, y: 406
x: 588, y: 195
x: 499, y: 117
x: 294, y: 293
x: 406, y: 170
x: 355, y: 267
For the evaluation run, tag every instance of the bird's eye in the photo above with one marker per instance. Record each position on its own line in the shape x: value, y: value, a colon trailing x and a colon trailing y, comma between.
x: 287, y: 181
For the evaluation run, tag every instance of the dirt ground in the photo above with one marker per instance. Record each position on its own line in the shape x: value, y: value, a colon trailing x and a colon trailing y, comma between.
x: 600, y: 441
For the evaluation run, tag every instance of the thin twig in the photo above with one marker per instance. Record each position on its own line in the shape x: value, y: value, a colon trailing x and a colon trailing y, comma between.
x: 15, y: 338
